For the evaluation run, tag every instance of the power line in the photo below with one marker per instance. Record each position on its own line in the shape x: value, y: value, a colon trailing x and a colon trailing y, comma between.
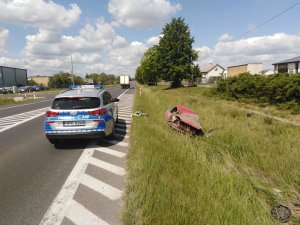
x: 268, y: 20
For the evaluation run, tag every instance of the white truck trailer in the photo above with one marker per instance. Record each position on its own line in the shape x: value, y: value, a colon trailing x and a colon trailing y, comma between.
x: 125, y: 81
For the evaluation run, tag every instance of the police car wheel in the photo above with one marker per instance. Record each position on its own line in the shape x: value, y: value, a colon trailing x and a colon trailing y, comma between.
x: 112, y: 134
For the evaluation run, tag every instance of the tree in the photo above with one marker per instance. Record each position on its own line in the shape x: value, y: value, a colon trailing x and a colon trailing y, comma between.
x: 60, y: 80
x: 103, y: 78
x: 195, y: 73
x: 147, y: 72
x: 175, y: 55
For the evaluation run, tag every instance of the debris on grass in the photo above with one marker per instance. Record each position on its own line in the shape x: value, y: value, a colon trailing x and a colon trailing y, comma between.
x: 281, y: 213
x: 138, y: 114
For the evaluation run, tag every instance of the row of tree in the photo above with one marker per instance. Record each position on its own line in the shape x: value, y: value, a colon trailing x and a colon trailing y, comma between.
x: 282, y: 90
x: 63, y: 80
x: 172, y: 59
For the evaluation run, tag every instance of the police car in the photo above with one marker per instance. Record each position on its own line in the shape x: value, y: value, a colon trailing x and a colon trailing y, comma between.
x: 83, y: 112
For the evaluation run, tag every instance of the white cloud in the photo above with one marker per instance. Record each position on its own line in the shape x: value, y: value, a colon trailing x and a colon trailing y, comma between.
x: 126, y: 59
x: 100, y: 37
x: 3, y: 39
x: 153, y: 40
x: 266, y: 49
x: 142, y: 13
x: 38, y: 13
x: 225, y: 37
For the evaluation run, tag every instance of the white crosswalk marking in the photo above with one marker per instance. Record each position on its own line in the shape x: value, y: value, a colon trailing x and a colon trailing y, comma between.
x: 110, y: 151
x: 107, y: 166
x: 101, y: 187
x: 15, y: 120
x: 114, y: 142
x: 79, y: 215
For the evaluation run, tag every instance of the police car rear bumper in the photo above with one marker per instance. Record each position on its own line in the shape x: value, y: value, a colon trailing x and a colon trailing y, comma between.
x: 75, y: 135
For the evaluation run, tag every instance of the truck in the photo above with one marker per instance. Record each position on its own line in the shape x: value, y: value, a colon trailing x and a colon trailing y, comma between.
x: 125, y: 81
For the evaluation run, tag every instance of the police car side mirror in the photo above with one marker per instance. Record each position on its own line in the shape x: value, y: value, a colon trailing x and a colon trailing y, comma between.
x: 116, y: 100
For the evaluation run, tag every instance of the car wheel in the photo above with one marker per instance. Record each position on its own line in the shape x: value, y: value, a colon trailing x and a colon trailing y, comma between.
x: 111, y: 136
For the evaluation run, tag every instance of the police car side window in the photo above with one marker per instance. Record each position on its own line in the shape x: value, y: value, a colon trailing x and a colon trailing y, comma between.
x: 106, y: 98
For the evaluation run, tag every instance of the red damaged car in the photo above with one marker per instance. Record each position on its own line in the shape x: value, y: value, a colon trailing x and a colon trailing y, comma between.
x: 184, y: 120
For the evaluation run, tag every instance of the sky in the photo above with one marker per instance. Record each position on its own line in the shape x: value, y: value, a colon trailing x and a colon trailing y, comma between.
x: 111, y: 35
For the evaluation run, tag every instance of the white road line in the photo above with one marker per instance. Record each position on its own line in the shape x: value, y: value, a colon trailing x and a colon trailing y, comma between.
x: 114, y: 142
x: 20, y: 122
x: 107, y: 166
x: 25, y: 104
x: 125, y: 114
x: 125, y: 108
x: 101, y: 187
x: 57, y: 210
x: 79, y: 215
x: 110, y: 151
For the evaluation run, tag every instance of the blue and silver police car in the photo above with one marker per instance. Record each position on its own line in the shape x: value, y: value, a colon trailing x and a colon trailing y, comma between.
x: 83, y: 112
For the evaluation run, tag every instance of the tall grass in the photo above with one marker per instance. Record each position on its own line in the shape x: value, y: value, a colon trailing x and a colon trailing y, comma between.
x: 228, y: 177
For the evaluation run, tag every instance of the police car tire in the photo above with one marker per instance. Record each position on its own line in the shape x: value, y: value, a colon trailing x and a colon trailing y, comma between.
x: 112, y: 134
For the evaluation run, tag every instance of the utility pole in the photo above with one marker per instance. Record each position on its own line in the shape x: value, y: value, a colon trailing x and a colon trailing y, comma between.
x: 72, y: 70
x: 98, y: 76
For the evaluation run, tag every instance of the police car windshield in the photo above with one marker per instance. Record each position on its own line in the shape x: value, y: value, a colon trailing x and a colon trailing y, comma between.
x: 76, y: 103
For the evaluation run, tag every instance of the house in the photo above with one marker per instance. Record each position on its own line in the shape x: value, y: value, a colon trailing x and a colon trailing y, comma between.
x: 211, y: 72
x: 252, y: 68
x: 267, y: 72
x: 288, y: 66
x: 43, y: 80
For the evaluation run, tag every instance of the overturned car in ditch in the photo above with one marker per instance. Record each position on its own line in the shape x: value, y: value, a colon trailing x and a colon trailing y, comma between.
x: 184, y: 120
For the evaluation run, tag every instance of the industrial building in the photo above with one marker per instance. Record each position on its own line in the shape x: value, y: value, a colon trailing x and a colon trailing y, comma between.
x: 252, y: 68
x: 288, y: 66
x: 10, y: 76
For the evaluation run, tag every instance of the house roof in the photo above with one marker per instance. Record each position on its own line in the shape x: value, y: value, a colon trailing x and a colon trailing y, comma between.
x: 295, y: 59
x: 245, y: 65
x: 209, y: 67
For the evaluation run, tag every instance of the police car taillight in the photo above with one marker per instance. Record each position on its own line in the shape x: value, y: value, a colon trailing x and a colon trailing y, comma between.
x: 98, y: 112
x: 51, y: 114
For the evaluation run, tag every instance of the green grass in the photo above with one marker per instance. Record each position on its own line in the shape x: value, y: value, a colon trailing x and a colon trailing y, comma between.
x: 6, y: 101
x: 226, y: 178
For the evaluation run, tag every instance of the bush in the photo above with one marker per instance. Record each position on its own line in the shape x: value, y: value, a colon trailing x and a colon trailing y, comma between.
x: 282, y: 90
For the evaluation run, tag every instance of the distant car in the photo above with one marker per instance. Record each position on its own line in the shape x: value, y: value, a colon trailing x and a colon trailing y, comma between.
x: 38, y: 88
x: 81, y: 113
x: 3, y: 90
x: 8, y: 90
x: 25, y: 89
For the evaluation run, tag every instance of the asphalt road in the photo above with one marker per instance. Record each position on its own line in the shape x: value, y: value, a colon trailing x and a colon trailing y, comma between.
x: 32, y: 171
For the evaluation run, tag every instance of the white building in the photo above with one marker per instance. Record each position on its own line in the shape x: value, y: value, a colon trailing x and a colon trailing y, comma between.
x: 288, y: 66
x: 211, y: 72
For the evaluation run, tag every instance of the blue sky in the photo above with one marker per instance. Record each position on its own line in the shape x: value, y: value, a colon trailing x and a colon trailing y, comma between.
x: 111, y: 35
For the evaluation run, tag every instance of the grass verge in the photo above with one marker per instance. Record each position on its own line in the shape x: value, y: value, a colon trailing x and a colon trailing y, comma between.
x: 235, y: 176
x: 6, y: 101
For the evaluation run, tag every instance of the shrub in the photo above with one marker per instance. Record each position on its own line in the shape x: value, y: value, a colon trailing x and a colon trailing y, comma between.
x: 282, y: 90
